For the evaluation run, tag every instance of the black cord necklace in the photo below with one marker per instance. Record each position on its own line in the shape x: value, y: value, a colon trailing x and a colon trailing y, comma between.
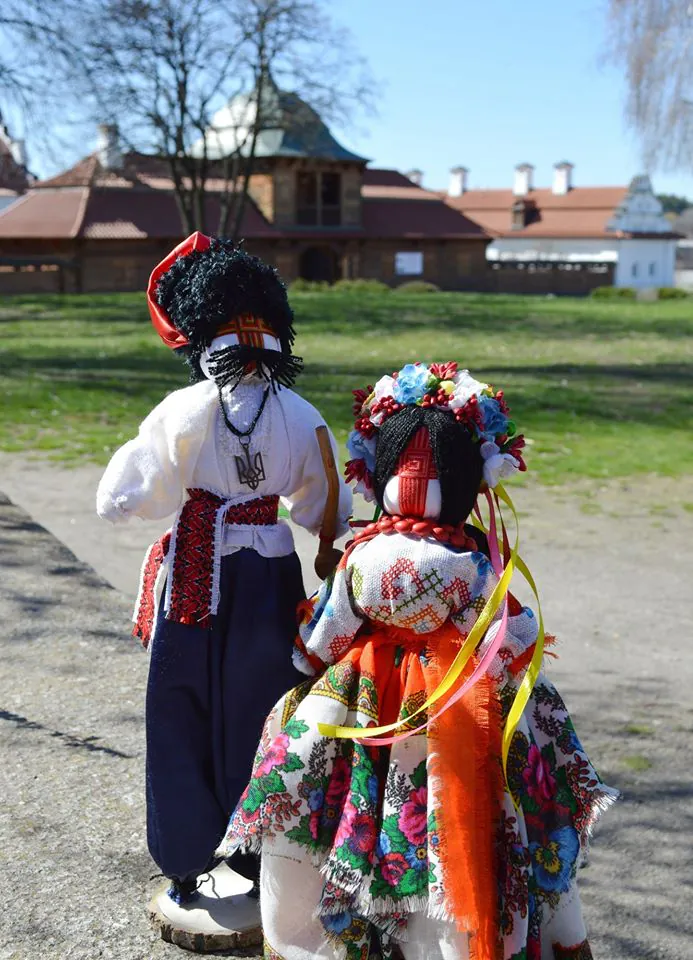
x: 251, y: 469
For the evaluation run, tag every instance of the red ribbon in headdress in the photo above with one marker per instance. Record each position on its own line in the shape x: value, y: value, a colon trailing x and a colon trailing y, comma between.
x: 172, y: 338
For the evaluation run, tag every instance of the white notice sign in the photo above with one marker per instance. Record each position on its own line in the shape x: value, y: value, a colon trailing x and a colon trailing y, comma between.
x: 409, y: 264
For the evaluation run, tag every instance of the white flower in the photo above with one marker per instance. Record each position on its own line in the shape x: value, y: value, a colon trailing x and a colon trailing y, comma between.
x: 366, y: 492
x: 497, y: 465
x: 466, y: 387
x: 385, y: 387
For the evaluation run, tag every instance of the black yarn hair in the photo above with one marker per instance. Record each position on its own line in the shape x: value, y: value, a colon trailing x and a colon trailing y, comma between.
x: 456, y: 455
x: 204, y: 290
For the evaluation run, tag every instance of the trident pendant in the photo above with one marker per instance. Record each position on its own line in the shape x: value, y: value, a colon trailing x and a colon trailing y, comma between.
x: 251, y: 469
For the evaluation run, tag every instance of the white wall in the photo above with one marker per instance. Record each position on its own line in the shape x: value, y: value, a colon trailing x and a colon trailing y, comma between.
x: 639, y: 263
x: 645, y: 263
x: 527, y: 248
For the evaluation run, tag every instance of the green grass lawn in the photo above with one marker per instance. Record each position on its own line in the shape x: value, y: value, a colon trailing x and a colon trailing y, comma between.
x: 600, y: 389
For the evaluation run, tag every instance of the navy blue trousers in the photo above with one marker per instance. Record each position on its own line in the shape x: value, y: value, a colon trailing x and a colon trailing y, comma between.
x: 208, y: 694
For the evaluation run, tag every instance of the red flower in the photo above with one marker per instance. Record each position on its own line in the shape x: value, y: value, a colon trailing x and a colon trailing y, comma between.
x: 275, y: 756
x: 362, y: 839
x: 346, y: 824
x: 339, y: 782
x: 414, y: 815
x: 515, y: 448
x: 357, y: 470
x: 364, y: 426
x: 541, y: 785
x: 360, y: 397
x: 502, y: 403
x: 314, y: 823
x: 393, y: 867
x: 444, y: 371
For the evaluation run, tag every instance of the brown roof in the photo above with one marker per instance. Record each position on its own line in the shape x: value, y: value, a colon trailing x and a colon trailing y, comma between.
x: 394, y: 206
x: 137, y: 202
x: 114, y: 214
x: 48, y: 214
x: 582, y: 212
x: 412, y: 219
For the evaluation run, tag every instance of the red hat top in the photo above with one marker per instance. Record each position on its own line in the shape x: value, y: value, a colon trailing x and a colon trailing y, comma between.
x: 172, y: 338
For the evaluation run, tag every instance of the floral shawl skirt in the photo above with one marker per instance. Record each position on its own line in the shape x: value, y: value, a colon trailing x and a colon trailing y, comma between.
x: 426, y: 826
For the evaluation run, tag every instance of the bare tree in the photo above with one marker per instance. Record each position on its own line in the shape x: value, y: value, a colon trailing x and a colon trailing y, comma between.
x: 163, y: 70
x: 653, y: 41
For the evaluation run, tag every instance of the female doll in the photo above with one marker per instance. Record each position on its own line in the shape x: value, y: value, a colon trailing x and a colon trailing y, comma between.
x: 219, y: 591
x: 423, y: 833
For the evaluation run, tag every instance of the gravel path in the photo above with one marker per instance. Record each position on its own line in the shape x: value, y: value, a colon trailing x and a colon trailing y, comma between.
x: 614, y: 569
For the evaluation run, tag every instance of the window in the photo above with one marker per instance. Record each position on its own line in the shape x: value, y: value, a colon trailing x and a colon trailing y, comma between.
x: 409, y: 264
x: 634, y: 270
x: 331, y: 199
x: 307, y: 199
x: 319, y: 199
x: 653, y: 269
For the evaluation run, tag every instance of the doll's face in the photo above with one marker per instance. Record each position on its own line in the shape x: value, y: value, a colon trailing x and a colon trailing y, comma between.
x: 414, y: 489
x: 225, y: 341
x: 398, y: 503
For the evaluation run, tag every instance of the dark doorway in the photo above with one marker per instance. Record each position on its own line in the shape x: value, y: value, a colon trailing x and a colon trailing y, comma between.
x: 319, y: 263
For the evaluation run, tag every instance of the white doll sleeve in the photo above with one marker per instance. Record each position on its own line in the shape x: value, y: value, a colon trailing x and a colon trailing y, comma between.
x: 328, y: 625
x: 306, y: 499
x: 147, y: 476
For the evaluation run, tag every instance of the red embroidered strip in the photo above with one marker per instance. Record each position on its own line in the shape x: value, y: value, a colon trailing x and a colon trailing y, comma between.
x: 414, y: 469
x: 192, y: 572
x: 261, y: 512
x: 144, y: 624
x: 193, y: 561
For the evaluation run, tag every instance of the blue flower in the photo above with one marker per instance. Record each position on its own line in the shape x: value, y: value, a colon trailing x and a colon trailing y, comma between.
x: 554, y: 861
x: 337, y: 922
x: 372, y: 787
x: 411, y: 383
x: 416, y: 857
x: 495, y: 421
x: 383, y: 845
x: 316, y: 799
x: 362, y: 448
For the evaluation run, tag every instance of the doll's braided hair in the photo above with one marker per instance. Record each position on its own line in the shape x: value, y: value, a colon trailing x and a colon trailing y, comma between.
x: 457, y: 457
x: 205, y: 289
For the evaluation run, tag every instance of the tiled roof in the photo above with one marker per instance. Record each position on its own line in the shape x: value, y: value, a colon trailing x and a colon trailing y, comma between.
x: 137, y: 203
x: 582, y: 212
x: 45, y: 214
x: 394, y: 206
x: 412, y: 219
x: 122, y: 215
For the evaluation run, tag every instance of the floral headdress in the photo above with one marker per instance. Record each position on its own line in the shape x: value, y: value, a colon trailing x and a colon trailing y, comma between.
x: 438, y: 386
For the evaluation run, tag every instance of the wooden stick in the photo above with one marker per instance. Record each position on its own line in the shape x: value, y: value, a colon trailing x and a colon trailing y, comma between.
x: 327, y: 557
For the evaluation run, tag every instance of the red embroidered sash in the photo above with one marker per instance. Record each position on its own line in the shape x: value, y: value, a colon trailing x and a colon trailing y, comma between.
x: 194, y: 541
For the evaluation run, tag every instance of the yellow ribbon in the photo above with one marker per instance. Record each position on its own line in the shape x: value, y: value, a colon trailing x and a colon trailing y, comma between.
x: 531, y: 674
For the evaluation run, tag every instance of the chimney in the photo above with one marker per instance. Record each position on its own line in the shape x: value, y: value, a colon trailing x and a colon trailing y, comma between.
x: 108, y: 147
x: 524, y: 176
x: 562, y: 178
x: 458, y: 181
x: 18, y: 148
x: 416, y: 176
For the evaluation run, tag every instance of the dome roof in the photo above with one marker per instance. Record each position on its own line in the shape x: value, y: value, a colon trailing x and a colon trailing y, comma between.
x: 290, y: 128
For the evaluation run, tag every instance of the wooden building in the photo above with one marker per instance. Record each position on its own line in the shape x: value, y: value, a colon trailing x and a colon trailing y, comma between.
x: 315, y: 210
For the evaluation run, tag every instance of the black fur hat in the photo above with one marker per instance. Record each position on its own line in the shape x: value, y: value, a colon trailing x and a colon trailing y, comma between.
x: 204, y: 290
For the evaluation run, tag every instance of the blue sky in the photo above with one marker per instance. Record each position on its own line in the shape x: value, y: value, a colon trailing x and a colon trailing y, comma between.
x: 486, y: 84
x: 491, y: 84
